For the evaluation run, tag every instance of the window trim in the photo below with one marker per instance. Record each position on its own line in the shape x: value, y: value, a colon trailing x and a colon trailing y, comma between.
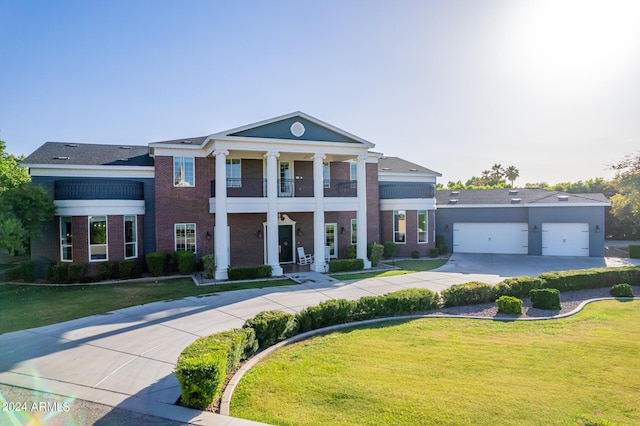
x: 106, y: 238
x: 135, y: 236
x: 175, y: 236
x: 63, y: 245
x: 326, y: 180
x: 335, y: 239
x: 353, y: 174
x: 426, y: 226
x: 396, y: 232
x: 185, y: 182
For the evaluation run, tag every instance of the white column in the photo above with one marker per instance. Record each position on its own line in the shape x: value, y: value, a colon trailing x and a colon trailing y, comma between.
x: 361, y: 216
x: 273, y: 252
x: 220, y: 241
x: 319, y: 265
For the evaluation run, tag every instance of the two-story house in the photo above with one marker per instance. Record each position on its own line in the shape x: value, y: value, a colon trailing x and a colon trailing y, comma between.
x: 249, y: 195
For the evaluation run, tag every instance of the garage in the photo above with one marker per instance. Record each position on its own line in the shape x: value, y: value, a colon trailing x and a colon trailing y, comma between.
x: 565, y: 239
x: 493, y: 238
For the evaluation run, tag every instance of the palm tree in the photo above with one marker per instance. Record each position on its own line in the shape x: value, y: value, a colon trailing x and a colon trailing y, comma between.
x: 512, y: 173
x: 497, y: 172
x: 485, y: 176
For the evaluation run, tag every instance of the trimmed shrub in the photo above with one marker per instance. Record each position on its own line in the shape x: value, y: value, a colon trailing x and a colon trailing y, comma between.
x: 443, y: 249
x: 368, y: 307
x: 75, y: 273
x: 106, y: 270
x: 634, y: 251
x: 376, y: 254
x: 415, y: 254
x: 185, y: 261
x: 407, y: 301
x: 250, y: 343
x: 468, y: 294
x: 509, y: 305
x: 342, y: 265
x: 57, y: 273
x: 545, y: 298
x: 28, y: 271
x: 171, y: 263
x: 202, y: 367
x: 516, y: 286
x: 352, y: 251
x: 390, y: 250
x: 249, y: 272
x: 621, y: 290
x: 330, y: 312
x: 127, y: 269
x: 440, y: 241
x: 590, y: 278
x: 434, y: 252
x: 154, y: 263
x: 271, y: 327
x: 208, y: 265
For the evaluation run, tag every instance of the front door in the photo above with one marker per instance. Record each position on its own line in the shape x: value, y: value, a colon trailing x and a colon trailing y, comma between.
x: 285, y: 241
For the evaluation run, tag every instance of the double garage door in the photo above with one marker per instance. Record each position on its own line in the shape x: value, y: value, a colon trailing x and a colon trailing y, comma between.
x: 558, y: 239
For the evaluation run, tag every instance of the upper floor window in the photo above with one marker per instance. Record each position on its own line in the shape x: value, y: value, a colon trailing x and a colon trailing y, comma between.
x: 130, y: 237
x: 399, y: 226
x: 326, y: 175
x: 353, y: 171
x: 422, y: 226
x: 183, y: 171
x: 234, y: 173
x: 98, y: 249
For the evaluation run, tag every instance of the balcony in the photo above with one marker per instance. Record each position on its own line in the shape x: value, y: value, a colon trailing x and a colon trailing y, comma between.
x: 98, y: 189
x: 287, y: 188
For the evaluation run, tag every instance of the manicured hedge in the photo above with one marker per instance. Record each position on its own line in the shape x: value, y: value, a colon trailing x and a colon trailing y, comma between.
x: 344, y: 265
x: 127, y: 269
x: 202, y: 367
x: 516, y: 286
x: 327, y: 313
x: 390, y: 250
x: 468, y: 294
x: 375, y: 253
x: 271, y: 327
x: 249, y: 272
x: 208, y: 265
x: 185, y: 261
x: 590, y: 278
x: 634, y: 251
x: 509, y: 305
x: 545, y: 298
x: 75, y: 272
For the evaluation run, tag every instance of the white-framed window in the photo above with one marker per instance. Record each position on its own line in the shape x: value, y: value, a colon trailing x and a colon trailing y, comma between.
x: 183, y: 171
x: 98, y: 237
x: 353, y: 172
x: 234, y: 173
x: 326, y: 175
x: 331, y: 240
x: 66, y: 239
x: 185, y: 236
x: 130, y: 237
x: 354, y: 231
x: 399, y: 226
x: 422, y: 227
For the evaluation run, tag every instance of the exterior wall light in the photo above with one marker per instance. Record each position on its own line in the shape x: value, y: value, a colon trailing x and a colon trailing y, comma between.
x: 259, y: 233
x: 446, y: 228
x: 535, y: 229
x: 597, y: 229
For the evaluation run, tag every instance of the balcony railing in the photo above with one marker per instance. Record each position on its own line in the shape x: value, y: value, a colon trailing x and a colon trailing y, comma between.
x: 98, y: 189
x: 287, y: 188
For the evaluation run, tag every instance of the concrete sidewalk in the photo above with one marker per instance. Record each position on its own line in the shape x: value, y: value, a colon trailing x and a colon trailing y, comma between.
x: 125, y: 358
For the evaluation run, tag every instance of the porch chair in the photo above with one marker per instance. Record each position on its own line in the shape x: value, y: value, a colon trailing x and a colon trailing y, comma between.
x: 304, y: 259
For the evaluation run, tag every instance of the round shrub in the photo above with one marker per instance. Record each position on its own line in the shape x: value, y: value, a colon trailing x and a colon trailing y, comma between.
x: 154, y: 263
x: 467, y: 294
x: 415, y: 254
x: 545, y: 298
x: 271, y: 327
x: 621, y: 290
x: 509, y: 305
x: 185, y: 261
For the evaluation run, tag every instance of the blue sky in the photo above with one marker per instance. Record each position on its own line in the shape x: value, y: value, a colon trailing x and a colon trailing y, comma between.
x: 549, y: 86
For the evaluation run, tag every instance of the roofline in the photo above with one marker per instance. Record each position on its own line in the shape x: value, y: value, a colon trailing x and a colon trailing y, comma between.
x: 225, y: 133
x: 407, y: 174
x: 522, y: 205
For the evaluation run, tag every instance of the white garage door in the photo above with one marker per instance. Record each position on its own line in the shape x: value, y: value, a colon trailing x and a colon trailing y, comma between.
x: 494, y: 238
x: 565, y: 239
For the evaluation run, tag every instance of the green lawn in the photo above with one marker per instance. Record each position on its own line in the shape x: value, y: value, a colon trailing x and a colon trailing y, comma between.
x: 578, y: 370
x: 27, y: 306
x: 406, y: 267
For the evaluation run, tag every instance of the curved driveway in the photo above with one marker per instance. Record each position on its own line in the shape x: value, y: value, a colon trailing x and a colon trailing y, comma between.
x: 126, y: 358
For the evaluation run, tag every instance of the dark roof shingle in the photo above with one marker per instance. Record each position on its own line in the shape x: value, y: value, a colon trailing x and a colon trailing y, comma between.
x: 90, y: 155
x: 513, y: 196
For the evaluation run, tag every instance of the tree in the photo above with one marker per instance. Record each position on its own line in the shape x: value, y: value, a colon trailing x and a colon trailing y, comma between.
x: 625, y: 205
x: 23, y: 206
x: 512, y: 173
x: 497, y: 172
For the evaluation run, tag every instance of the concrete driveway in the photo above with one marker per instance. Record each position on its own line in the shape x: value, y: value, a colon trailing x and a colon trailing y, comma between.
x: 125, y: 358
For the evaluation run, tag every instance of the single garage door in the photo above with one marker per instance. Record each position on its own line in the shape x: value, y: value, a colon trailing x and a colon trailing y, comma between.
x: 494, y: 238
x: 565, y: 239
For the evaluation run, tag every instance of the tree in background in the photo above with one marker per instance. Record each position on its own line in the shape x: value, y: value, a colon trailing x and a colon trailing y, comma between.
x: 23, y: 207
x: 512, y: 173
x: 625, y: 204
